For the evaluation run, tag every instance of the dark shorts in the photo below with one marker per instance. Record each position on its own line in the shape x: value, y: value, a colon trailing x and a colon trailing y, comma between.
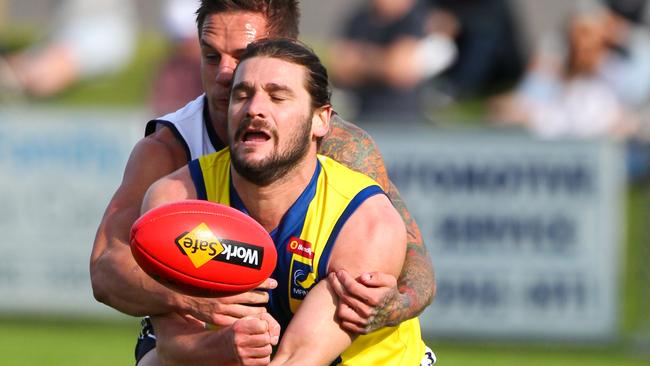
x: 146, y: 340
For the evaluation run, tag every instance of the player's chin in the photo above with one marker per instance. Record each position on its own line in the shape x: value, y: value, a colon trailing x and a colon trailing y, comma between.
x: 251, y: 153
x: 255, y: 164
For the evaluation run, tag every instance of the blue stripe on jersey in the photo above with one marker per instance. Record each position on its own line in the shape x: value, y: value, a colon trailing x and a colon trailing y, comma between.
x: 294, y: 218
x: 197, y: 178
x: 352, y: 206
x: 291, y: 225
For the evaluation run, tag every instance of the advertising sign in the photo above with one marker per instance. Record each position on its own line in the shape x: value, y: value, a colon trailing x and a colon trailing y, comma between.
x: 524, y: 234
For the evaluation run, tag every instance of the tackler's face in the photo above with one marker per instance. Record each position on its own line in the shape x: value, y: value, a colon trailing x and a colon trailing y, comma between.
x: 270, y: 115
x: 223, y: 38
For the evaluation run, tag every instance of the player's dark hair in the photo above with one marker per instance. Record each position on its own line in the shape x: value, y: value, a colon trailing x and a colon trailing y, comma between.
x: 296, y: 52
x: 283, y: 16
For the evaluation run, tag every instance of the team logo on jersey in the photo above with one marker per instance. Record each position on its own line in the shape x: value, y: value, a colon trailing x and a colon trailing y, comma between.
x: 300, y: 247
x: 201, y: 245
x: 302, y: 279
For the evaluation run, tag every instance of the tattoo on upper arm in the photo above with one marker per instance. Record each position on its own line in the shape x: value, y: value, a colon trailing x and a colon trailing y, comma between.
x: 354, y: 148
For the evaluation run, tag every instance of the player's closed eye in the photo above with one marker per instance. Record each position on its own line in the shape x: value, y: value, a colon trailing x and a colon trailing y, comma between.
x: 278, y: 98
x: 238, y: 96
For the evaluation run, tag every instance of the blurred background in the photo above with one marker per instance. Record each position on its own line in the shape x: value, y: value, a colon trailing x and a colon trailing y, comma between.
x: 518, y: 132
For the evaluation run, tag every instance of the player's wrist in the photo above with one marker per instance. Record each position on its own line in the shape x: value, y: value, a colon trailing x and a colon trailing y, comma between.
x: 182, y: 304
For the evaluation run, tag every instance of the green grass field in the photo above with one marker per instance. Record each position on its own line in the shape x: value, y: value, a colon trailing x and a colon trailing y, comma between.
x: 84, y: 342
x: 66, y: 342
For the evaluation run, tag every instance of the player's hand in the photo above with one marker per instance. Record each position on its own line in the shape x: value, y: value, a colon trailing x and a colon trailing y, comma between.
x: 183, y: 340
x: 253, y: 338
x: 363, y: 302
x: 224, y: 311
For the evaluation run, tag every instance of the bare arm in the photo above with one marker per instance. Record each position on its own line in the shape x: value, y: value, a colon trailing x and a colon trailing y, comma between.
x: 313, y: 337
x: 117, y: 280
x: 415, y: 289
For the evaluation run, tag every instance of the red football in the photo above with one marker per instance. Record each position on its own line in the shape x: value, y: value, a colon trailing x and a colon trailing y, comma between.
x: 202, y: 248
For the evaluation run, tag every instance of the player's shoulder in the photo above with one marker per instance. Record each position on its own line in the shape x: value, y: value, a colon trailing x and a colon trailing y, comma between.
x: 340, y: 175
x: 377, y: 225
x: 162, y: 146
x: 377, y: 216
x: 192, y: 110
x: 187, y: 118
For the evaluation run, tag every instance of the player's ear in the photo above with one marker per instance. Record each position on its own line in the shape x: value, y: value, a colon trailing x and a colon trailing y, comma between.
x: 320, y: 121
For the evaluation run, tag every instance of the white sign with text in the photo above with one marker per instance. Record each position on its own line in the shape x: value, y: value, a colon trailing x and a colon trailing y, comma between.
x: 524, y: 234
x: 59, y: 170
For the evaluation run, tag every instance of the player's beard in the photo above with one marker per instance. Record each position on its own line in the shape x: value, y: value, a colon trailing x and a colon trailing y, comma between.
x: 275, y: 166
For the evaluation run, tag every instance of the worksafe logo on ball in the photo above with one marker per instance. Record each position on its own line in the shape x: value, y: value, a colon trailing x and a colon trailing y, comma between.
x: 201, y: 246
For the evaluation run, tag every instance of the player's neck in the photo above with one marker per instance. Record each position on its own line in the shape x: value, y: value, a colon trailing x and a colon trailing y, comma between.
x: 218, y: 119
x: 268, y: 204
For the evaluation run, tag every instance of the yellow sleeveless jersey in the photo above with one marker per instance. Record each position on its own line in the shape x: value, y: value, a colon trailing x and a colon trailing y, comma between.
x: 304, y: 240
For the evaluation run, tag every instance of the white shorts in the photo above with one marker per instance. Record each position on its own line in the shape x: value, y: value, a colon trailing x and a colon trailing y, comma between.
x: 429, y: 357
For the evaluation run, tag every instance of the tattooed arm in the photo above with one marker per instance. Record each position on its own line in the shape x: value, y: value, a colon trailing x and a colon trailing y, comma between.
x: 374, y: 300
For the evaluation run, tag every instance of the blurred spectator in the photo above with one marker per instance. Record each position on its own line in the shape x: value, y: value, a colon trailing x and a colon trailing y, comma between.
x: 87, y: 39
x: 487, y: 39
x: 627, y: 67
x: 384, y: 56
x: 627, y: 70
x: 566, y: 91
x: 178, y: 80
x: 563, y: 93
x: 592, y: 81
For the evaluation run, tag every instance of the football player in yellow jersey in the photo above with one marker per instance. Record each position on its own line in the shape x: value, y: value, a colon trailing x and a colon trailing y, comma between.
x: 279, y: 110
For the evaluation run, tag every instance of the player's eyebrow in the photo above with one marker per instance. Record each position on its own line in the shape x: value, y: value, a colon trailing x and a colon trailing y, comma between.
x: 243, y: 86
x: 269, y: 88
x: 235, y: 53
x: 275, y: 87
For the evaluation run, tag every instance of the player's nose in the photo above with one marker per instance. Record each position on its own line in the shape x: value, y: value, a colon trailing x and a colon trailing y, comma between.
x: 226, y: 71
x: 257, y: 106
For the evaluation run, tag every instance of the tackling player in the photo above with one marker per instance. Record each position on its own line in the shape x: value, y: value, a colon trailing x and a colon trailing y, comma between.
x: 225, y: 28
